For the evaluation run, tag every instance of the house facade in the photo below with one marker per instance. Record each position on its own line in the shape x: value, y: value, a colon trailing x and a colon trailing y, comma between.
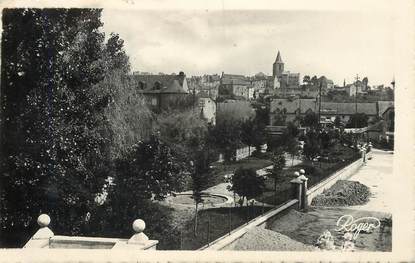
x: 162, y: 91
x: 236, y: 85
x: 207, y: 108
x: 292, y: 108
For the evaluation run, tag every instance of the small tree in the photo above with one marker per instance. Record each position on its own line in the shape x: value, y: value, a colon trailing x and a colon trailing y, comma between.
x: 312, y: 145
x: 292, y: 147
x: 337, y: 122
x: 278, y: 163
x: 358, y: 120
x: 247, y: 184
x: 200, y: 168
x: 310, y: 120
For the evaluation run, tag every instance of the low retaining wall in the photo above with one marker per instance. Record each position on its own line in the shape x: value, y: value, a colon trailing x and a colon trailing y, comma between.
x: 227, y: 241
x: 342, y: 174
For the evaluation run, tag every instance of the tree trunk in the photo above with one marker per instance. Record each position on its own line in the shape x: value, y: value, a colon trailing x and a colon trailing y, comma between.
x: 195, y: 227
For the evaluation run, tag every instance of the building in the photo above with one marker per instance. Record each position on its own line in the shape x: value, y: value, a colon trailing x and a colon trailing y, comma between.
x: 207, y: 107
x: 293, y: 108
x: 207, y: 90
x: 285, y: 79
x: 210, y: 80
x: 383, y: 129
x: 162, y: 91
x: 236, y: 85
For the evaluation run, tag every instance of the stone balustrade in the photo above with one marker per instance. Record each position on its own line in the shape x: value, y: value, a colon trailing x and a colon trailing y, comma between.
x: 45, y: 238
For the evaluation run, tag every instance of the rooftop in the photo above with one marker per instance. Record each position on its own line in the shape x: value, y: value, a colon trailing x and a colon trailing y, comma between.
x: 161, y: 83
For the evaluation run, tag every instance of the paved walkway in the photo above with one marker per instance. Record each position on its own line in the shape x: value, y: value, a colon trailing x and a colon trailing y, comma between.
x: 377, y: 174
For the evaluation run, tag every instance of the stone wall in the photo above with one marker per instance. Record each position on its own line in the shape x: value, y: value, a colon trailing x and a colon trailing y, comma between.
x: 227, y: 241
x: 342, y: 174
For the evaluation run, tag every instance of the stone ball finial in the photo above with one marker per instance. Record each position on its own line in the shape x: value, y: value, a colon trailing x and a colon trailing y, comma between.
x: 43, y: 220
x: 302, y: 171
x: 297, y: 174
x: 139, y: 225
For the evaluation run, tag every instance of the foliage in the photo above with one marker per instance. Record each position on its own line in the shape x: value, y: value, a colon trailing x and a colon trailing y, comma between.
x: 69, y: 118
x: 310, y: 120
x: 181, y: 103
x: 226, y: 136
x: 247, y: 184
x: 150, y: 170
x: 337, y: 122
x: 129, y: 119
x: 200, y: 181
x: 278, y: 163
x: 252, y: 132
x: 390, y: 126
x: 54, y: 152
x: 184, y: 130
x: 311, y: 145
x: 114, y: 219
x: 358, y: 120
x: 279, y: 117
x: 234, y: 111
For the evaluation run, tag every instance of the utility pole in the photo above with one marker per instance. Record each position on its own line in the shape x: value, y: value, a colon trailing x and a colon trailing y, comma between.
x: 355, y: 108
x: 319, y: 104
x: 355, y: 95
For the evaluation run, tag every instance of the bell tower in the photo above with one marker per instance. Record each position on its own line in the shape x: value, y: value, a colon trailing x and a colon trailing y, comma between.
x: 278, y: 66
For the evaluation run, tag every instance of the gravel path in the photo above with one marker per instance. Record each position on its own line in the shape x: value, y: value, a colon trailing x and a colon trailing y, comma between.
x: 263, y: 239
x: 377, y: 174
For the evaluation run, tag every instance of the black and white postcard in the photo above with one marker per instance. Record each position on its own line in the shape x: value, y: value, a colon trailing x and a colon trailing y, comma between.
x: 223, y: 131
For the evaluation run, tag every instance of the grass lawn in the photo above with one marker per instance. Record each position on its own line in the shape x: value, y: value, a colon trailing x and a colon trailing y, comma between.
x: 315, y: 171
x: 220, y: 169
x: 214, y: 223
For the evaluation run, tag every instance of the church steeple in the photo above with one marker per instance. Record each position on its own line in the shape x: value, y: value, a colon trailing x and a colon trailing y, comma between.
x: 278, y: 59
x: 278, y: 66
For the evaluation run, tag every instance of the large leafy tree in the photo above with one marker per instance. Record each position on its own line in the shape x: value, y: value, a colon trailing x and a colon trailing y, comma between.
x: 151, y: 170
x: 226, y: 136
x: 54, y: 156
x: 67, y: 111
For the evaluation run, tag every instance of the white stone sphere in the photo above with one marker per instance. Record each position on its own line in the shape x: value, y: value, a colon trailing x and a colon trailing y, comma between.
x: 302, y: 171
x: 43, y: 220
x: 139, y: 225
x: 296, y: 173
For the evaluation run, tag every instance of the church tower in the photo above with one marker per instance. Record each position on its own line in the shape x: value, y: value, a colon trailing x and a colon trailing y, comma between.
x: 278, y: 66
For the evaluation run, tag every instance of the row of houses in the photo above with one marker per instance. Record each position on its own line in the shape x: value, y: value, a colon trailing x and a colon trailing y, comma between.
x: 292, y: 108
x: 281, y: 83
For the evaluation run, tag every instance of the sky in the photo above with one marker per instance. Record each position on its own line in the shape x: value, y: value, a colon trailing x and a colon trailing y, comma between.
x: 336, y: 43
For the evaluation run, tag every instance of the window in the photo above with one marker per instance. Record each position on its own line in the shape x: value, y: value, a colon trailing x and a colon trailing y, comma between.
x: 154, y: 101
x: 157, y: 85
x: 141, y: 85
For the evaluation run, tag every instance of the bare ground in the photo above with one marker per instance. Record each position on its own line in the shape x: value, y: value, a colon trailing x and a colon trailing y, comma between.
x: 307, y: 227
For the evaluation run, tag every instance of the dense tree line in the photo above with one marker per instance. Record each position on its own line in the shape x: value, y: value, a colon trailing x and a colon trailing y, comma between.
x: 76, y: 138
